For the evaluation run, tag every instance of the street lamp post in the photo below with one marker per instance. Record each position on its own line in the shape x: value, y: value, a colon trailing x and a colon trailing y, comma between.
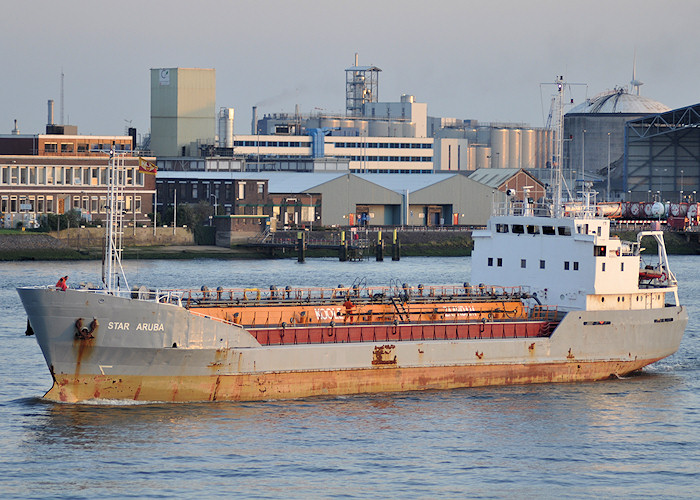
x: 312, y: 212
x: 607, y: 197
x: 216, y: 203
x: 583, y: 158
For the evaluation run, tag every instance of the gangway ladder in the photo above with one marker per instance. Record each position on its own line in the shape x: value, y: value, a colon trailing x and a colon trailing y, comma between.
x: 112, y: 268
x: 400, y: 309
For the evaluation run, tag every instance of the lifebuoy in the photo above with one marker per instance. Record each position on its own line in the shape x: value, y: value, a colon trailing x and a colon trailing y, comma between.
x: 617, y: 252
x: 663, y: 277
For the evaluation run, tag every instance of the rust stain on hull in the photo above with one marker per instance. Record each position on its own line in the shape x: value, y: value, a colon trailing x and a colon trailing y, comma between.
x: 291, y: 385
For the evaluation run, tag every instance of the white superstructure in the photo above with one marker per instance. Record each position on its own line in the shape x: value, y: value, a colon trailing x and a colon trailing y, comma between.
x: 572, y: 261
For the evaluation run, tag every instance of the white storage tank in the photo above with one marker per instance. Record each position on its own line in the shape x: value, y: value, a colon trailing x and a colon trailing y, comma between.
x: 363, y: 127
x: 499, y: 147
x: 471, y: 158
x: 483, y: 157
x: 379, y: 128
x: 330, y: 122
x: 409, y: 129
x: 514, y: 141
x: 528, y: 147
x: 395, y: 129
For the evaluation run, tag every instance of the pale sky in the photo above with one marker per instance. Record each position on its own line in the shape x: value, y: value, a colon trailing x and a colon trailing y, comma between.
x: 483, y: 60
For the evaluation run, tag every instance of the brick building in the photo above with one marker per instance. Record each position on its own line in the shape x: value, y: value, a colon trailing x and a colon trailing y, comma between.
x: 52, y: 174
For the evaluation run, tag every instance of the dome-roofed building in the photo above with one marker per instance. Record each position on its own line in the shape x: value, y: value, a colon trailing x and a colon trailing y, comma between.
x: 619, y: 101
x: 594, y: 130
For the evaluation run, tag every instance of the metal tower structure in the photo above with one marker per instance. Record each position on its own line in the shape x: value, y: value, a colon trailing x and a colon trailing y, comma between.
x: 361, y: 86
x: 114, y: 233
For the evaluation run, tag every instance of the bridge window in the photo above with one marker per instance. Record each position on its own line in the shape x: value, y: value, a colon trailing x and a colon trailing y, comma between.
x: 533, y: 229
x: 564, y: 231
x: 518, y: 229
x: 548, y: 230
x: 501, y: 228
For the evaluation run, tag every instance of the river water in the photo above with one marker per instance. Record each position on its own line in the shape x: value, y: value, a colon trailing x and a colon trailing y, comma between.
x: 633, y: 438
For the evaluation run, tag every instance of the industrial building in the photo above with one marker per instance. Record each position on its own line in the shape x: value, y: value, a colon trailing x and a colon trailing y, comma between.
x: 293, y: 199
x: 183, y: 109
x: 662, y: 156
x: 373, y: 136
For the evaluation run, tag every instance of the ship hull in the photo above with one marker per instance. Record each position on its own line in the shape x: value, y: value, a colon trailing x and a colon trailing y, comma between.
x: 300, y: 384
x: 141, y: 350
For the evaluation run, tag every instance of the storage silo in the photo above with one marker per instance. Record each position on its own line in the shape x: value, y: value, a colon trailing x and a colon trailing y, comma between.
x: 528, y: 148
x: 330, y: 123
x: 395, y: 129
x: 363, y: 127
x: 514, y: 141
x: 499, y: 147
x: 226, y: 128
x: 471, y: 157
x: 483, y: 157
x: 379, y: 128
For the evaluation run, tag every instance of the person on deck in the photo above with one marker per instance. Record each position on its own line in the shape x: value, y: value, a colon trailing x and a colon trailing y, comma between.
x: 61, y: 285
x: 348, y: 310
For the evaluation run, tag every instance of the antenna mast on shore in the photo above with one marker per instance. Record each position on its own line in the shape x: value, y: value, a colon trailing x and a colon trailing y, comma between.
x: 62, y: 78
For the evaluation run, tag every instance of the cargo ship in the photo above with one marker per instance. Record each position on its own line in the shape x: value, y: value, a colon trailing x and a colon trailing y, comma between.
x: 593, y: 309
x: 554, y: 298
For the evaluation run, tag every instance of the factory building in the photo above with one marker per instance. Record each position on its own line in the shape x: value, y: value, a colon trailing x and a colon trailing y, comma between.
x: 183, y: 110
x: 662, y: 156
x: 293, y: 199
x: 373, y: 136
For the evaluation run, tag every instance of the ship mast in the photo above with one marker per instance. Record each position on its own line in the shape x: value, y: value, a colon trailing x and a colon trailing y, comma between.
x: 112, y: 262
x: 558, y: 145
x: 557, y: 112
